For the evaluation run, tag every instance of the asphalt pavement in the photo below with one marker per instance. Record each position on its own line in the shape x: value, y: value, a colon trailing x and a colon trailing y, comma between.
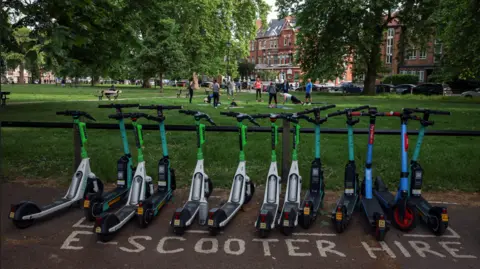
x: 68, y: 241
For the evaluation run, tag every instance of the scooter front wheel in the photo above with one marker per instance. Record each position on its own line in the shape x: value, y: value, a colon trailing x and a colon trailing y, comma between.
x: 249, y: 196
x: 409, y: 220
x: 210, y: 188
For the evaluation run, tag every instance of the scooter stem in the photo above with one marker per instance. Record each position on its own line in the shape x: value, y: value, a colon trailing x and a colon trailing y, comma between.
x: 317, y: 141
x: 82, y: 128
x: 274, y: 141
x: 163, y: 137
x: 296, y: 141
x: 137, y: 130
x: 421, y: 134
x: 351, y: 156
x: 243, y: 139
x: 200, y: 139
x: 123, y: 133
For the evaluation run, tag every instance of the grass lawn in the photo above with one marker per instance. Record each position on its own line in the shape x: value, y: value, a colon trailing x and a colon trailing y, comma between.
x: 450, y: 162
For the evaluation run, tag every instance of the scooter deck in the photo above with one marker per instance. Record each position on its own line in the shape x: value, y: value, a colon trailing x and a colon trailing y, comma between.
x: 315, y: 197
x: 349, y: 201
x: 192, y: 206
x: 370, y: 208
x: 126, y: 211
x: 230, y: 207
x: 423, y: 205
x: 287, y: 207
x: 118, y: 191
x: 385, y: 197
x: 158, y: 197
x: 56, y: 203
x: 271, y: 207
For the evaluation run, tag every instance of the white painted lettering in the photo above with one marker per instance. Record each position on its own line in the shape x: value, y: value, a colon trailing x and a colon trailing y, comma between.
x: 79, y: 224
x: 161, y: 244
x: 72, y: 238
x: 292, y: 249
x: 138, y: 246
x: 402, y: 249
x: 453, y: 251
x: 241, y: 246
x: 199, y: 246
x: 422, y: 247
x: 384, y: 247
x: 266, y: 246
x: 328, y: 248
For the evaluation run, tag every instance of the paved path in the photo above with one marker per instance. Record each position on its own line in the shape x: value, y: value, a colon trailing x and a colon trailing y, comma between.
x: 67, y: 241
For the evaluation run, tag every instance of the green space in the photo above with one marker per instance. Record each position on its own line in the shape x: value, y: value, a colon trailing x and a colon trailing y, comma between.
x: 451, y: 163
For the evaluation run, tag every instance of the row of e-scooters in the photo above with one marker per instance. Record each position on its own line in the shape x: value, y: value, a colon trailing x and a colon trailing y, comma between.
x: 137, y: 197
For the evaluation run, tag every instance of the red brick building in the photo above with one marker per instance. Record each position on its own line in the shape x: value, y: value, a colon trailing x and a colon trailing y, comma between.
x: 419, y: 60
x: 274, y: 47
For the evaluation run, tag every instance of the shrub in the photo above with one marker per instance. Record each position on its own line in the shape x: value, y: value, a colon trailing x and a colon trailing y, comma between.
x: 401, y: 79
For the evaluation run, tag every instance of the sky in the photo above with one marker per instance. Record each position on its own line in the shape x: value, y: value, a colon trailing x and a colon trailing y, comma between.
x: 272, y: 14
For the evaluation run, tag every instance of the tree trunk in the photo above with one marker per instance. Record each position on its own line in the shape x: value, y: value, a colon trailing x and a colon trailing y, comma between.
x: 76, y: 81
x: 161, y: 82
x: 401, y: 47
x: 21, y: 79
x: 195, y: 81
x: 146, y: 83
x: 373, y: 61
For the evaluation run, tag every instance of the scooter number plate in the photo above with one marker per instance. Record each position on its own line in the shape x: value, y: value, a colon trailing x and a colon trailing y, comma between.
x: 444, y: 217
x: 140, y: 211
x: 86, y: 203
x: 306, y: 210
x: 381, y: 223
x: 210, y: 222
x: 98, y: 230
x: 176, y: 222
x: 286, y: 223
x: 263, y: 225
x: 339, y: 216
x: 12, y: 214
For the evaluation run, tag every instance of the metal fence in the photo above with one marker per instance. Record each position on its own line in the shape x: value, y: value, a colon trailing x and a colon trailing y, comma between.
x: 284, y: 130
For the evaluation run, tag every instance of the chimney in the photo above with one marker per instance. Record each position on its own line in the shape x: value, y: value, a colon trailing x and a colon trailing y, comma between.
x: 258, y: 23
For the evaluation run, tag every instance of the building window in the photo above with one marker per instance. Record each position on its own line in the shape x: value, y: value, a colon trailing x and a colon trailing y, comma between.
x: 421, y: 75
x: 423, y: 54
x: 403, y: 72
x: 253, y: 60
x: 259, y: 60
x: 285, y: 41
x: 438, y: 50
x: 412, y: 54
x: 389, y: 52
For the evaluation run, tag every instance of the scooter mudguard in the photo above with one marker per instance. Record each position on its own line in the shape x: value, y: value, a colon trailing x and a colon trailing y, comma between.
x: 18, y: 211
x: 288, y: 218
x: 105, y: 222
x: 216, y: 216
x: 265, y: 220
x: 180, y: 218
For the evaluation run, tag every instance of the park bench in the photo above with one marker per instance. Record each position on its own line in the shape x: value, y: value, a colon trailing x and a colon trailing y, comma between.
x: 109, y: 94
x: 3, y: 98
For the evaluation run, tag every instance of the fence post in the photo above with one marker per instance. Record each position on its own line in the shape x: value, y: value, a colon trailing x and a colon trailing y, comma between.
x: 76, y: 145
x: 286, y: 150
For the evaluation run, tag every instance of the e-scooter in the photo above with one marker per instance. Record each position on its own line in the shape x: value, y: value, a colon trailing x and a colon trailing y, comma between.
x: 288, y: 218
x: 107, y: 224
x: 369, y: 203
x: 269, y: 211
x: 83, y: 181
x: 94, y: 203
x: 313, y: 200
x: 201, y: 186
x: 242, y: 187
x: 343, y: 211
x: 150, y: 207
x: 402, y: 211
x: 435, y: 217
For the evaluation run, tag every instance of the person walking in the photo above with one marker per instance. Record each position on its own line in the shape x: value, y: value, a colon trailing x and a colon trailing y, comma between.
x: 258, y: 89
x: 308, y: 92
x: 272, y: 92
x: 231, y: 88
x: 216, y: 93
x: 237, y: 86
x: 190, y: 89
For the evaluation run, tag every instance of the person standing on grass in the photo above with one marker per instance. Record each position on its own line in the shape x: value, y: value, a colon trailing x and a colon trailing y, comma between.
x: 285, y: 86
x: 308, y: 92
x: 216, y: 93
x: 258, y: 89
x: 272, y: 92
x: 190, y: 89
x: 231, y: 88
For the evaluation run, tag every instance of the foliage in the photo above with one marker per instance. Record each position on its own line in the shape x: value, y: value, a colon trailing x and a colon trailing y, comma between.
x: 458, y: 29
x: 267, y: 74
x: 245, y: 69
x: 401, y: 79
x: 334, y: 33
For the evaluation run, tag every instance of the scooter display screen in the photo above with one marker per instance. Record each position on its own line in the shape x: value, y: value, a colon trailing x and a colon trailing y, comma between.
x: 418, y: 175
x: 315, y: 172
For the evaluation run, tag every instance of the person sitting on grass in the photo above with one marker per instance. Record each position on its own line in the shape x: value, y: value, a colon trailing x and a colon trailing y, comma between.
x: 287, y: 97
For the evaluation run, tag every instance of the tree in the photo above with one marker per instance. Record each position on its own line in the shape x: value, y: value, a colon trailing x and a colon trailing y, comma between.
x: 23, y: 52
x: 334, y: 33
x: 458, y: 31
x: 245, y: 69
x: 267, y: 74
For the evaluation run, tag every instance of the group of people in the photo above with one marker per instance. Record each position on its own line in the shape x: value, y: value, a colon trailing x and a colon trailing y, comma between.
x: 272, y: 93
x: 271, y: 90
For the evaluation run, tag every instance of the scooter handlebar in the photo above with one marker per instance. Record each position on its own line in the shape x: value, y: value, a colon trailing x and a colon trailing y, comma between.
x: 199, y: 115
x: 315, y: 109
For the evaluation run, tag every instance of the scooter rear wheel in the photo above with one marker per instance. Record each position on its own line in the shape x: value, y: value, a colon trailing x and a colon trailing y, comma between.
x: 179, y: 231
x: 435, y: 222
x: 213, y: 231
x: 341, y: 225
x: 287, y: 230
x: 25, y: 209
x: 147, y: 216
x: 23, y: 224
x: 263, y: 233
x: 95, y: 207
x: 409, y: 221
